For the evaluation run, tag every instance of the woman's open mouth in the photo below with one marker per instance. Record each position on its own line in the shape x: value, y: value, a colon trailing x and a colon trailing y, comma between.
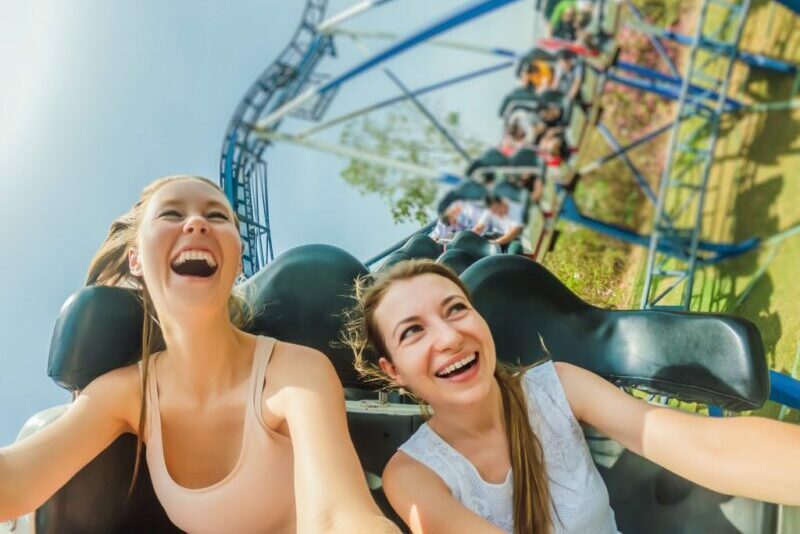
x: 197, y: 263
x: 458, y: 368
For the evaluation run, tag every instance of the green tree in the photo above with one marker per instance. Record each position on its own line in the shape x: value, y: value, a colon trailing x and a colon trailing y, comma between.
x: 402, y: 133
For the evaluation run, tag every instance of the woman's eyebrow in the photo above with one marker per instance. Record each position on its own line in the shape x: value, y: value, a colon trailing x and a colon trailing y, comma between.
x: 404, y: 321
x: 413, y: 318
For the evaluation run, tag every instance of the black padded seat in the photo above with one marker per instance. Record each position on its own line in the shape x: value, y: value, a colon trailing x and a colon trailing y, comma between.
x: 648, y: 499
x: 457, y: 260
x: 466, y: 248
x: 698, y: 357
x: 510, y: 191
x: 469, y: 241
x: 468, y: 190
x: 422, y: 246
x: 534, y: 54
x: 95, y: 499
x: 79, y: 350
x: 395, y: 257
x: 489, y: 159
x: 526, y: 157
x: 302, y: 294
x: 521, y: 97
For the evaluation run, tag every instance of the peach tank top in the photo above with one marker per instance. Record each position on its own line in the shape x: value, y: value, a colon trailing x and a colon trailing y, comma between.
x: 256, y: 496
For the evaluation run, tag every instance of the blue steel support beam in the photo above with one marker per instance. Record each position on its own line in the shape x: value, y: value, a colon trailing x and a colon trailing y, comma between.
x: 416, y: 92
x: 612, y: 141
x: 618, y: 153
x: 458, y: 17
x: 659, y: 46
x: 425, y: 111
x: 677, y: 248
x: 694, y: 90
x: 784, y: 390
x: 749, y: 58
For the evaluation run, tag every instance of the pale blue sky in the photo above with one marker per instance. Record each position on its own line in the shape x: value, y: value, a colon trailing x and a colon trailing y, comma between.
x: 99, y: 98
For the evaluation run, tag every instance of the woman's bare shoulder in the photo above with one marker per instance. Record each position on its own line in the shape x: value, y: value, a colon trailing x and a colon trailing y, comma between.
x: 301, y: 362
x: 121, y: 392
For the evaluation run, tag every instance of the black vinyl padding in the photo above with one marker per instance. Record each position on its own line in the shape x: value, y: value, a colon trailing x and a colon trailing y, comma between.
x: 468, y: 190
x: 301, y: 297
x: 95, y: 499
x: 698, y: 357
x: 98, y: 329
x: 648, y: 499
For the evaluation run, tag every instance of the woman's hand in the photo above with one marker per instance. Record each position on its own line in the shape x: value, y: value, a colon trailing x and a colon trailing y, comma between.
x: 750, y: 457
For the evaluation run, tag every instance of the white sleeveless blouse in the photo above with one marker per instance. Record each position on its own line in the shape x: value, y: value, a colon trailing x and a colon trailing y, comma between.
x: 578, y: 494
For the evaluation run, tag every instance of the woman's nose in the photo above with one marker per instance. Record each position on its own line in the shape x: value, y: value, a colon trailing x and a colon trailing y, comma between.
x: 195, y: 224
x: 447, y: 337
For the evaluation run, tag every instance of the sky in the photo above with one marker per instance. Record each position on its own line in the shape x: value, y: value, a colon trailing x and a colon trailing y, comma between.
x: 98, y: 98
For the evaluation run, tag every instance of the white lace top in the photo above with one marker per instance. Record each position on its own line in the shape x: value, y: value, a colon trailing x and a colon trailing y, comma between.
x: 579, y: 495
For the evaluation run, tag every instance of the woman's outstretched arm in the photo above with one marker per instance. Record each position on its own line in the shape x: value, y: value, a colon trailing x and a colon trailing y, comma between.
x: 425, y: 503
x: 32, y: 470
x: 746, y: 456
x: 331, y: 493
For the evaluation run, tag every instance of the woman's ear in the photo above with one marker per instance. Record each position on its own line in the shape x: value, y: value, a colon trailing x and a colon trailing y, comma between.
x: 388, y: 368
x: 134, y: 265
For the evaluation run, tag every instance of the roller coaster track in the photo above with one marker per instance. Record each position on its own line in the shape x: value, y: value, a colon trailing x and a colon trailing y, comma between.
x: 242, y: 167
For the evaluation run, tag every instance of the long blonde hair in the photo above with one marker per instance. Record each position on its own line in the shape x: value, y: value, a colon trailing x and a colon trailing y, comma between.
x: 109, y: 266
x: 531, y: 500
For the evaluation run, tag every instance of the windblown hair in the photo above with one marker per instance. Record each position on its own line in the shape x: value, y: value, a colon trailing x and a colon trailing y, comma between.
x: 531, y: 500
x: 109, y: 267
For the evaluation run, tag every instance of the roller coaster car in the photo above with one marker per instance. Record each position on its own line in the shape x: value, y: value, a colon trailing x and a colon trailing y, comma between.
x: 707, y: 358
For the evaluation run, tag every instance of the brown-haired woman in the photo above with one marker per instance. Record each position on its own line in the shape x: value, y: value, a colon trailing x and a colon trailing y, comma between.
x: 243, y: 433
x: 504, y: 451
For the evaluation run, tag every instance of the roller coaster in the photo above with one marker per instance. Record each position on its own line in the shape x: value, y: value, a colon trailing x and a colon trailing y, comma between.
x: 309, y: 285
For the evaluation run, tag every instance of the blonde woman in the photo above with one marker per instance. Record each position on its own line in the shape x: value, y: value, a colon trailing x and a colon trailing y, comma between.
x: 504, y: 452
x: 243, y: 433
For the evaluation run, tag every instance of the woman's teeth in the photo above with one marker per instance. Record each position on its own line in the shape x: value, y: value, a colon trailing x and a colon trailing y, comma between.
x: 198, y: 255
x: 457, y: 365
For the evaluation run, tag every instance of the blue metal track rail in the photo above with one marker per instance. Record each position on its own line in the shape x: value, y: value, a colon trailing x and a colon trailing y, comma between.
x: 240, y: 175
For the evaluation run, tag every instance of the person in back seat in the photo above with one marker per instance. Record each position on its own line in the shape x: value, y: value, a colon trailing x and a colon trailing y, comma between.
x: 504, y: 450
x: 458, y: 216
x: 244, y: 433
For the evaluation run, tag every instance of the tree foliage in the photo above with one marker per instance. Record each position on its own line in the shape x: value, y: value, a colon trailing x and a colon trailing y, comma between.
x: 402, y: 133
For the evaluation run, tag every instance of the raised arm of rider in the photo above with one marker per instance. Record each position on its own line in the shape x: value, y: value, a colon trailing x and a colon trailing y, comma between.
x: 32, y: 470
x: 425, y: 503
x: 750, y: 457
x: 330, y: 486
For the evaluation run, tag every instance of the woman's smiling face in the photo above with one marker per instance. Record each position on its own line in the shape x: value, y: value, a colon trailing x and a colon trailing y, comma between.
x: 188, y: 247
x: 440, y: 348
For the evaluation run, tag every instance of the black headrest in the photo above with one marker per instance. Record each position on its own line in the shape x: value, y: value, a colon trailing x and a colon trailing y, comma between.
x: 698, y: 357
x: 510, y: 191
x: 551, y: 98
x: 526, y: 157
x: 422, y: 246
x: 467, y: 190
x: 395, y: 257
x: 298, y: 298
x: 458, y: 260
x: 534, y: 54
x: 469, y: 241
x: 520, y: 94
x: 98, y: 329
x: 303, y: 293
